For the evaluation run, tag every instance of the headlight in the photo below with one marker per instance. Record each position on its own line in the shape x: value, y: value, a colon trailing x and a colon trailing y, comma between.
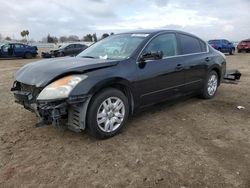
x: 61, y: 88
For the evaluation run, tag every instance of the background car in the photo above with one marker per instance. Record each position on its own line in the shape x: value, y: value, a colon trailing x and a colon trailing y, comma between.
x: 222, y: 45
x: 17, y: 50
x: 68, y: 49
x: 244, y: 46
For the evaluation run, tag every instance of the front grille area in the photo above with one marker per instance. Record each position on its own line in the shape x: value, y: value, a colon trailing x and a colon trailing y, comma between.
x: 32, y: 90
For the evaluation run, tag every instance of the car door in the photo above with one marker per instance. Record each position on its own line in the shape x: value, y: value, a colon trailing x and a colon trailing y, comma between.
x: 19, y: 50
x: 78, y: 48
x: 4, y: 50
x: 69, y: 50
x: 7, y: 50
x: 163, y: 78
x: 194, y: 58
x: 225, y: 46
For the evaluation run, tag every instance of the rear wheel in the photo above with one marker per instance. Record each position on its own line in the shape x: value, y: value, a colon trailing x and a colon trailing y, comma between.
x: 61, y: 54
x: 27, y: 55
x: 232, y: 52
x: 107, y: 114
x: 210, y: 86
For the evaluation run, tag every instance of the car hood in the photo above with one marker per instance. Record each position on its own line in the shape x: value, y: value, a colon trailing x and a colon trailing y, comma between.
x: 42, y: 72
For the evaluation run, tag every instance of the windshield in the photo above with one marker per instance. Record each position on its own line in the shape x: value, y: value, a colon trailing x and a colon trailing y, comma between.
x: 62, y: 46
x: 119, y: 46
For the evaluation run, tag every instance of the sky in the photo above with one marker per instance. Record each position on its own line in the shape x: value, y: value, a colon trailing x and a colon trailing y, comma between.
x: 208, y: 19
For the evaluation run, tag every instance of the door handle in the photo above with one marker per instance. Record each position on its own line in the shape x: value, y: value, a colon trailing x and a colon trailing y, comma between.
x: 207, y: 59
x: 179, y: 67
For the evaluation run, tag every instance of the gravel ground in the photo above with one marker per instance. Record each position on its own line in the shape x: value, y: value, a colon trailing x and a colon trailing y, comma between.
x: 188, y: 143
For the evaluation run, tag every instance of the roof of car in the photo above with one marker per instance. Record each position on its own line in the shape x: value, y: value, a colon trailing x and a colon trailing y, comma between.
x: 246, y: 40
x: 155, y: 31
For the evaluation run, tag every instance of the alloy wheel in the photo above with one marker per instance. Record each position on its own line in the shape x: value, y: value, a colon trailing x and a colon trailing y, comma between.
x: 212, y: 84
x: 110, y: 114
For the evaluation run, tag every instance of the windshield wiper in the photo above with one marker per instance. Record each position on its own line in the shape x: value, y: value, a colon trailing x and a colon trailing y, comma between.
x: 89, y: 57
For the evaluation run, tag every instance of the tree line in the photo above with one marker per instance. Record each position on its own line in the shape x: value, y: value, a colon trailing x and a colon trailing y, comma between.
x: 75, y: 38
x: 53, y: 39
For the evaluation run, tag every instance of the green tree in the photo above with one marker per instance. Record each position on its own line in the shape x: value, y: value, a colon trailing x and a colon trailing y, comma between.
x: 63, y: 39
x: 51, y: 39
x: 94, y: 37
x: 88, y: 38
x: 25, y: 34
x: 73, y: 38
x: 8, y: 38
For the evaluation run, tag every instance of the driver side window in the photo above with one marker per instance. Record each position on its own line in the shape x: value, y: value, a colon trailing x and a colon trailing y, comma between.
x: 165, y: 43
x: 6, y: 47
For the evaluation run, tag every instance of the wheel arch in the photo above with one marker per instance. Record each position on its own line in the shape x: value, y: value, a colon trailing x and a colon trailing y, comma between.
x: 217, y: 69
x: 118, y: 83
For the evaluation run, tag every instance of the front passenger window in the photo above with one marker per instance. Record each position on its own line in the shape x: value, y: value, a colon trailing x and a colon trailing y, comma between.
x: 165, y: 43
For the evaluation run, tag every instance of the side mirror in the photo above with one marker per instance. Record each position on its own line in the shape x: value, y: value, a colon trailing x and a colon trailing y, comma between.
x: 151, y: 56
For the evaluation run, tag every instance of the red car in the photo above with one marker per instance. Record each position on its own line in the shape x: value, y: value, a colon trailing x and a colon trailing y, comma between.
x: 244, y: 46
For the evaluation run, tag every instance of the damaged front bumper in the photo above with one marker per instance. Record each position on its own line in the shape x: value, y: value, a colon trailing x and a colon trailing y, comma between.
x: 70, y: 112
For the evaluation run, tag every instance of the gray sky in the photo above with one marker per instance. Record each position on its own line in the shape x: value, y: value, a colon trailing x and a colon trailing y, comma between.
x: 208, y: 19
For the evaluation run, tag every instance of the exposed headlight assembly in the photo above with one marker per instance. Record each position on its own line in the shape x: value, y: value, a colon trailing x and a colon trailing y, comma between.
x: 60, y: 89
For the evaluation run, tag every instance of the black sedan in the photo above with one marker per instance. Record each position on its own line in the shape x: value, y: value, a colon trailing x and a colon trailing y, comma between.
x: 66, y: 50
x: 98, y: 89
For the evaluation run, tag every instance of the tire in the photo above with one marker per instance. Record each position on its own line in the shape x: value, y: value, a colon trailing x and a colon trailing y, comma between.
x: 105, y: 120
x: 27, y: 55
x: 210, y: 85
x: 239, y: 51
x: 61, y: 54
x: 232, y: 52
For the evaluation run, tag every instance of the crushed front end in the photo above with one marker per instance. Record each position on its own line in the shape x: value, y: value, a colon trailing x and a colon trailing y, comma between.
x: 68, y: 112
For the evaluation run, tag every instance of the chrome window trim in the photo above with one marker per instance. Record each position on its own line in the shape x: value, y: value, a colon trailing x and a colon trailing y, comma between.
x: 165, y: 89
x: 168, y: 57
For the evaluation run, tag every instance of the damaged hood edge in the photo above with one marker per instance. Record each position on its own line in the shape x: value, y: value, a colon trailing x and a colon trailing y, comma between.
x: 42, y: 72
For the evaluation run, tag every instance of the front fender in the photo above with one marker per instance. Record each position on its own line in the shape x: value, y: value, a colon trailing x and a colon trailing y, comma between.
x: 91, y: 86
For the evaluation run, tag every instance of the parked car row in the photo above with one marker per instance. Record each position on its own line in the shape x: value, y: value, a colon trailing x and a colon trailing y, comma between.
x: 225, y: 46
x: 17, y: 50
x: 222, y: 45
x: 11, y: 50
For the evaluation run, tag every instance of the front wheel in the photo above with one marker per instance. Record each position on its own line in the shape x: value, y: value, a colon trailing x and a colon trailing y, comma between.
x: 232, y: 52
x: 210, y: 85
x: 107, y: 113
x: 27, y: 55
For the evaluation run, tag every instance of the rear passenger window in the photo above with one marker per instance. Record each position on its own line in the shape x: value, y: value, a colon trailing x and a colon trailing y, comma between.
x: 189, y: 44
x: 165, y: 43
x: 19, y: 46
x: 203, y: 46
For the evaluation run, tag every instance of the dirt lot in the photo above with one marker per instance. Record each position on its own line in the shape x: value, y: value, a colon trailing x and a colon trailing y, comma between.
x: 192, y: 143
